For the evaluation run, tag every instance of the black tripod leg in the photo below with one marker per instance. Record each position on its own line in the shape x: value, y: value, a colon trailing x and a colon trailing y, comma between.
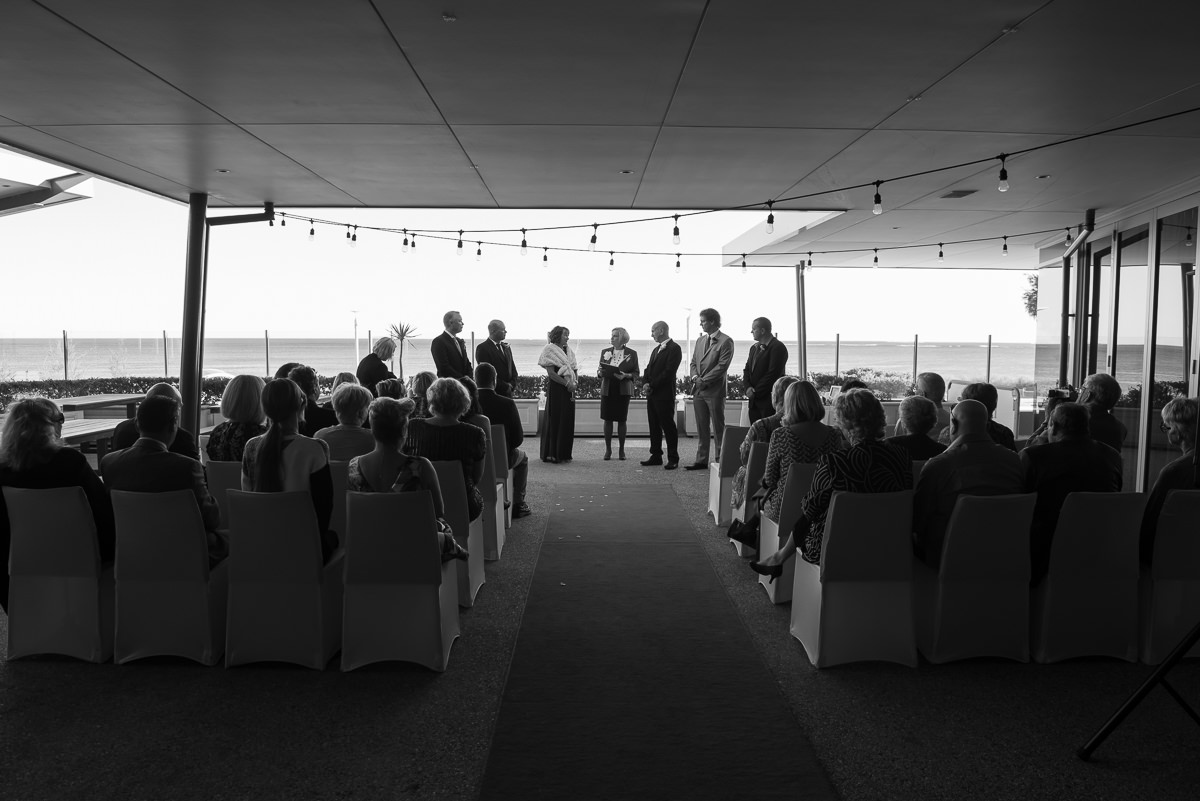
x: 1157, y: 677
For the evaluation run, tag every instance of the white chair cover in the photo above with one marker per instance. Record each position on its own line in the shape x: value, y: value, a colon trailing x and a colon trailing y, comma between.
x: 720, y: 475
x: 500, y: 460
x: 223, y: 476
x: 1087, y: 605
x: 756, y: 465
x: 284, y: 605
x: 340, y: 473
x: 401, y: 600
x: 772, y: 536
x: 469, y: 535
x: 1171, y: 590
x: 493, y: 505
x: 168, y: 602
x: 857, y: 604
x: 977, y: 603
x: 60, y: 601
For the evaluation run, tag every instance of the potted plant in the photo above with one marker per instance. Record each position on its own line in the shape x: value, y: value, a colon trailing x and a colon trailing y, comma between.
x: 401, y: 332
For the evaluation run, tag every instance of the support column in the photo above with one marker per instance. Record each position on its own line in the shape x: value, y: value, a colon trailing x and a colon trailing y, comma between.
x: 193, y: 310
x: 1064, y: 334
x: 801, y: 324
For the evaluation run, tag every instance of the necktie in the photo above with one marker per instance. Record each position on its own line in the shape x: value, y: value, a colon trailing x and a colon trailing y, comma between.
x: 704, y: 350
x: 462, y: 348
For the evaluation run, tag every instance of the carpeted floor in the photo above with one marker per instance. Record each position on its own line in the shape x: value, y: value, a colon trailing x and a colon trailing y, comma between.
x: 633, y: 675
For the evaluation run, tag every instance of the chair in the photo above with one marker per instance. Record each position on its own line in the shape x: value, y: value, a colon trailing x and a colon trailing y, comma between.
x: 339, y: 472
x: 60, y: 599
x: 168, y: 601
x: 772, y: 535
x: 857, y: 604
x: 977, y: 602
x: 401, y: 600
x: 284, y: 605
x: 503, y: 477
x: 1087, y: 605
x: 1171, y: 589
x: 720, y: 475
x: 756, y: 465
x: 493, y: 506
x: 469, y: 535
x: 223, y: 476
x: 917, y: 466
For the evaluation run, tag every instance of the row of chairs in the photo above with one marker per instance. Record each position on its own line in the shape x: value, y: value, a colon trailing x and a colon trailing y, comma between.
x: 870, y: 599
x: 386, y: 595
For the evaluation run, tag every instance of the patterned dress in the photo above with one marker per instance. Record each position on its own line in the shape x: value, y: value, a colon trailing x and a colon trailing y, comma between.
x: 871, y: 466
x: 227, y: 442
x: 787, y: 447
x: 760, y: 431
x: 462, y: 442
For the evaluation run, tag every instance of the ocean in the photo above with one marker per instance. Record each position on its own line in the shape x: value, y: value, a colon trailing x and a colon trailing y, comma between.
x: 33, y: 359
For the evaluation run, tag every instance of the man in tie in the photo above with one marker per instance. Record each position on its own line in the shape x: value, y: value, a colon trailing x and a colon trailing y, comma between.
x: 449, y: 351
x: 767, y: 363
x: 495, y: 351
x: 660, y: 396
x: 710, y: 366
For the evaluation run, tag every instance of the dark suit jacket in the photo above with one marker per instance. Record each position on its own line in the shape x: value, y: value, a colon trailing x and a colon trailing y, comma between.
x: 126, y: 434
x: 450, y: 360
x: 371, y: 370
x: 503, y: 411
x: 147, y: 466
x: 500, y: 357
x: 662, y: 369
x: 317, y: 417
x: 764, y: 366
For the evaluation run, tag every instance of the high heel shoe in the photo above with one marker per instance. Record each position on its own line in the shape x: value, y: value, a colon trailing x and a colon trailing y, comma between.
x: 622, y: 456
x: 774, y: 571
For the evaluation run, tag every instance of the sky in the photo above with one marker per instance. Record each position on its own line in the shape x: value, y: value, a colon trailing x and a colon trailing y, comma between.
x: 113, y: 266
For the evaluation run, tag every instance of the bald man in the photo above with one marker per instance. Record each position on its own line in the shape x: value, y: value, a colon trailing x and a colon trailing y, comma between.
x: 972, y: 465
x: 126, y: 433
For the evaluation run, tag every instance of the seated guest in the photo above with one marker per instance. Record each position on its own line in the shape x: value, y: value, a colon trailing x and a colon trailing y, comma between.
x: 283, y: 460
x: 315, y: 417
x: 869, y: 465
x: 126, y: 432
x: 148, y: 466
x: 348, y: 438
x: 32, y: 456
x: 390, y: 388
x: 501, y: 410
x: 760, y: 431
x: 854, y: 383
x: 444, y: 437
x: 918, y: 416
x: 284, y: 369
x: 1100, y: 394
x: 418, y: 390
x: 1071, y: 462
x: 801, y: 437
x: 474, y: 413
x: 338, y: 380
x: 973, y: 465
x: 241, y: 406
x: 987, y: 395
x: 1179, y: 420
x: 373, y: 368
x: 387, y: 468
x: 933, y: 387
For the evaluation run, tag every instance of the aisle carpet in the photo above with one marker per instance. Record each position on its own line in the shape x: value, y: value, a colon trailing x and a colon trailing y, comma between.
x: 633, y: 676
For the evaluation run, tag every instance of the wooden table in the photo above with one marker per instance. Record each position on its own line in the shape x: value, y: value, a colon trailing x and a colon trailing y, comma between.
x: 83, y: 402
x: 77, y: 432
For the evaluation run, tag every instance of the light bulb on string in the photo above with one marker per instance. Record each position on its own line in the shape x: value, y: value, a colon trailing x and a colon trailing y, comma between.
x: 478, y: 251
x: 282, y: 220
x: 1003, y: 185
x: 347, y: 234
x: 876, y: 263
x: 743, y: 264
x: 877, y: 208
x: 404, y: 246
x: 1187, y: 243
x: 459, y: 251
x: 678, y: 266
x: 545, y: 257
x: 271, y: 223
x: 610, y: 261
x: 414, y: 242
x: 675, y: 233
x: 1067, y: 240
x: 770, y: 217
x: 941, y: 255
x: 354, y: 238
x: 810, y: 258
x: 592, y: 244
x: 523, y: 245
x: 312, y: 231
x: 1004, y: 252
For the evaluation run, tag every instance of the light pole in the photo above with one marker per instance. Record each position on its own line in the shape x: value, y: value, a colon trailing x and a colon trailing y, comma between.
x: 355, y: 313
x: 688, y: 334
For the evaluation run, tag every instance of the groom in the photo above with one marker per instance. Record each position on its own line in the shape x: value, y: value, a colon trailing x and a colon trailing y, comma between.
x: 660, y: 397
x: 710, y: 364
x: 449, y: 351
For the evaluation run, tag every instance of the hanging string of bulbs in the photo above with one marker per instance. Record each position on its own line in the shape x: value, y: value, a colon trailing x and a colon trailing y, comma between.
x: 1003, y: 185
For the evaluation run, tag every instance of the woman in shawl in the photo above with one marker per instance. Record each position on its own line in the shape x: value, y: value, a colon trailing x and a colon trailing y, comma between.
x: 557, y: 433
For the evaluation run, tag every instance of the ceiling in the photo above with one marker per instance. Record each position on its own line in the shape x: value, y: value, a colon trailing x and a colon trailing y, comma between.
x: 627, y: 104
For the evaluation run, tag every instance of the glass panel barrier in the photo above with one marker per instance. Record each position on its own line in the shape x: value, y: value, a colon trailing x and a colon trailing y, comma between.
x: 1128, y: 351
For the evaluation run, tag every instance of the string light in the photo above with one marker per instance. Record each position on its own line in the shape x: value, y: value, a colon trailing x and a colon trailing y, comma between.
x: 677, y: 264
x: 282, y: 220
x: 478, y: 251
x: 414, y: 242
x: 743, y: 264
x: 610, y: 261
x: 271, y: 222
x: 1003, y: 186
x: 354, y: 238
x: 347, y: 233
x: 877, y: 208
x: 770, y: 217
x: 1004, y: 252
x: 876, y: 264
x: 1067, y: 241
x: 545, y: 256
x: 810, y: 258
x: 312, y: 231
x: 459, y: 251
x: 592, y: 244
x: 675, y: 233
x: 404, y: 246
x: 523, y: 245
x: 1187, y: 243
x: 941, y: 255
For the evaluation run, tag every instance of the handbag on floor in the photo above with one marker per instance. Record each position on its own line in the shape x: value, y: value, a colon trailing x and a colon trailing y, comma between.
x: 745, y: 532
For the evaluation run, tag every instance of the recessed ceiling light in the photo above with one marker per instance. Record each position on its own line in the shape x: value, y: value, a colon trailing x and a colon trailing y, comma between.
x: 625, y: 172
x: 1044, y: 176
x: 222, y: 172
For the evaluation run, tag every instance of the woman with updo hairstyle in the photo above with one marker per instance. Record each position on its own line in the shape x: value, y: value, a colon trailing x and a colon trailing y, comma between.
x: 557, y: 431
x: 387, y: 468
x: 372, y: 369
x: 33, y: 456
x: 1180, y: 422
x: 390, y: 388
x: 283, y: 460
x: 445, y: 437
x: 868, y: 465
x: 760, y: 431
x: 241, y: 406
x: 801, y: 437
x: 418, y: 391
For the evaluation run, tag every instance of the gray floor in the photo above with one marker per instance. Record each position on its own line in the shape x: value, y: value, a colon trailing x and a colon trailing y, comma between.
x: 164, y: 729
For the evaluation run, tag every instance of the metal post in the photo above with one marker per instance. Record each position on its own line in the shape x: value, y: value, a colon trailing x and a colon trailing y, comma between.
x: 66, y: 374
x: 837, y: 355
x: 916, y: 339
x: 193, y: 310
x: 801, y: 332
x: 267, y: 351
x: 166, y: 369
x: 1064, y: 332
x: 989, y: 361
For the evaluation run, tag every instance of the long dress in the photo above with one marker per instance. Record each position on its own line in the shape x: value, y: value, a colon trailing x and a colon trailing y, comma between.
x: 558, y: 424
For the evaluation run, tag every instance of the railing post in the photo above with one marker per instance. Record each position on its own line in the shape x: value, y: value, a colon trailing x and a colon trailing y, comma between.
x: 66, y: 373
x: 267, y: 352
x: 166, y: 369
x: 916, y: 339
x: 837, y: 355
x: 989, y: 360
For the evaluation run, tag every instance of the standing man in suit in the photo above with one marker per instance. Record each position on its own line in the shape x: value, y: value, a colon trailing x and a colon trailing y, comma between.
x: 149, y: 466
x: 449, y: 351
x: 660, y: 374
x: 495, y: 351
x: 767, y: 364
x: 710, y: 366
